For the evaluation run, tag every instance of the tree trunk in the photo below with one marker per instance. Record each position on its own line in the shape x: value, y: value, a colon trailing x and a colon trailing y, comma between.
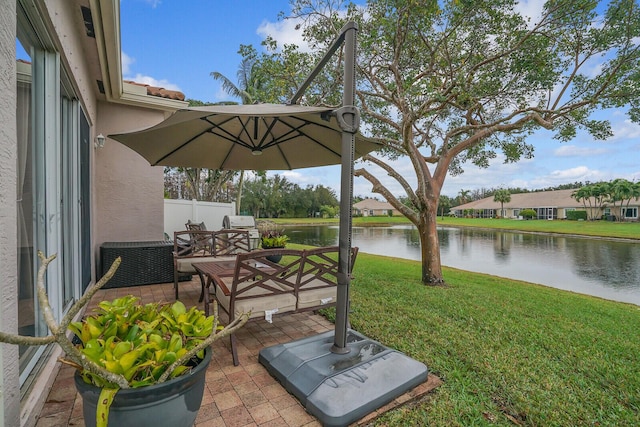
x: 430, y: 248
x: 239, y: 193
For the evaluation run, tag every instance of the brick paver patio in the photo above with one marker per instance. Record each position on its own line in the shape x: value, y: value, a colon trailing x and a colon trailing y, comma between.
x: 244, y: 395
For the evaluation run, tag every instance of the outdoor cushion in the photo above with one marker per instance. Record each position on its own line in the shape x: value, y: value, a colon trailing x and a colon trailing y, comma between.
x: 184, y: 265
x: 316, y: 297
x: 257, y: 304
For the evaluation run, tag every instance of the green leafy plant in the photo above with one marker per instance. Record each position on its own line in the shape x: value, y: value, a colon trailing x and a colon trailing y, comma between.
x: 141, y: 342
x: 273, y: 239
x: 125, y: 344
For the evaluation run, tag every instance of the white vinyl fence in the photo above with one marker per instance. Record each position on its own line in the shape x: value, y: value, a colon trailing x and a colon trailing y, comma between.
x: 178, y: 212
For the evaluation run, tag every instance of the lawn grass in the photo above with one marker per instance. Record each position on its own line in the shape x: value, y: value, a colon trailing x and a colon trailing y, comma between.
x: 623, y: 230
x: 509, y: 352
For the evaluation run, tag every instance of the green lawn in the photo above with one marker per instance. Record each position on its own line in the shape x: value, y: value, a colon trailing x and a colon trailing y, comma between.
x: 509, y: 352
x: 626, y: 230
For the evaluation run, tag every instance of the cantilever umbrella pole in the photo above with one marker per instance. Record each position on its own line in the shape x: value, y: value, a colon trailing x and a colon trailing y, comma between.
x: 349, y: 119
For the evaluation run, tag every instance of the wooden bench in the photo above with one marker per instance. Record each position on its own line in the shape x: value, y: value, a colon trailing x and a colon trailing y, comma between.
x: 193, y: 246
x: 303, y: 280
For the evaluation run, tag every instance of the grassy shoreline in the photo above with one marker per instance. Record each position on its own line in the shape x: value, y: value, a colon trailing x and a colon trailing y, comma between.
x: 604, y: 229
x: 509, y: 352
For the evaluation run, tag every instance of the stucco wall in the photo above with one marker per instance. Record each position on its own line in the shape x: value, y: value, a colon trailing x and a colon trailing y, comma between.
x: 129, y: 194
x: 9, y: 382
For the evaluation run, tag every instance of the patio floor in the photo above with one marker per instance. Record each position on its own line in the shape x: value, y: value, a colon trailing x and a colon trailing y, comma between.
x: 244, y: 395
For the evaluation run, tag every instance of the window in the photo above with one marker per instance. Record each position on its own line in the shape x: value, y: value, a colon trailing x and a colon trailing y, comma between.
x: 630, y: 213
x: 50, y: 182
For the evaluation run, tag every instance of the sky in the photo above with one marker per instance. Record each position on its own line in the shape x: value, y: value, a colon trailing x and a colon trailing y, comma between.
x: 176, y: 44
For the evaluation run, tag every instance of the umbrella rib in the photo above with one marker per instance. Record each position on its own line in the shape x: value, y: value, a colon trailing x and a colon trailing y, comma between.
x: 180, y: 147
x: 225, y: 134
x: 267, y: 132
x: 288, y: 136
x: 190, y: 140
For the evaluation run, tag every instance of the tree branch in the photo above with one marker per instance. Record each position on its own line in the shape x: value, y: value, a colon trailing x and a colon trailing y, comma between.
x: 381, y: 189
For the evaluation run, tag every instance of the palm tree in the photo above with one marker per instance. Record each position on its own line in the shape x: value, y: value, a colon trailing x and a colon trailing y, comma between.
x: 463, y: 196
x: 581, y: 195
x: 503, y: 196
x: 247, y: 89
x: 249, y: 82
x: 622, y: 189
x: 444, y: 204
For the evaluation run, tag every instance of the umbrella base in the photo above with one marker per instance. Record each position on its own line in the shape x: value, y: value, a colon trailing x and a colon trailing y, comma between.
x: 339, y: 389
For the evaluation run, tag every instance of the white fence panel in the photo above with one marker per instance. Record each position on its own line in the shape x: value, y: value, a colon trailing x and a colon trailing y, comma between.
x: 178, y: 212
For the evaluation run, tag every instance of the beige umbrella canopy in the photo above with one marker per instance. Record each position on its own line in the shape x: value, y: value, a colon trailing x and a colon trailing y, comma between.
x: 245, y: 137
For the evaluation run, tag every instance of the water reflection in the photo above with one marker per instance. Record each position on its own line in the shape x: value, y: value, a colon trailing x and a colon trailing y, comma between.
x: 604, y: 268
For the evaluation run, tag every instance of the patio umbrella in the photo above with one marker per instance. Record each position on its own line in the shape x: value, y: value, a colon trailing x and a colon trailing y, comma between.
x: 245, y: 137
x: 265, y: 137
x: 273, y: 137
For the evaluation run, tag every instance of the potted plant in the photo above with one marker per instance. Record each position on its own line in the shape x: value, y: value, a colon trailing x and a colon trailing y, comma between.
x: 137, y: 364
x: 272, y: 238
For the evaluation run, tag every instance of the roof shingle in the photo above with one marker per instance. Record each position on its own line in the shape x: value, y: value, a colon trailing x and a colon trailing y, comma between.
x: 159, y: 91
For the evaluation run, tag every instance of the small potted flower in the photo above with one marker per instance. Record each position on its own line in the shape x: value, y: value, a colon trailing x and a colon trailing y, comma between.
x: 272, y: 238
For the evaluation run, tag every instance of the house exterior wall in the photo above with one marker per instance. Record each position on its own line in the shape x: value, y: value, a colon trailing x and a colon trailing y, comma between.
x: 126, y: 193
x: 559, y: 200
x: 129, y: 194
x: 9, y: 381
x: 369, y: 207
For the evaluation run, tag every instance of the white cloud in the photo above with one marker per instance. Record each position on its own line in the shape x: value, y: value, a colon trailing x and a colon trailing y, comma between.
x: 153, y: 3
x: 571, y: 173
x: 284, y: 32
x: 625, y: 130
x: 126, y: 63
x: 296, y: 177
x: 575, y: 151
x: 221, y: 95
x: 566, y: 176
x: 531, y: 9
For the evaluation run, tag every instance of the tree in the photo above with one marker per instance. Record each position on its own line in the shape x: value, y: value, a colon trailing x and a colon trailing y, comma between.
x: 619, y: 191
x: 583, y: 195
x: 445, y: 83
x: 197, y: 183
x: 502, y: 196
x: 444, y: 203
x: 247, y: 89
x: 463, y: 196
x: 596, y: 195
x: 634, y: 193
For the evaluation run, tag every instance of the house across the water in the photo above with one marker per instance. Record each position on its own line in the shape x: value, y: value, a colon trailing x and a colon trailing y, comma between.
x: 372, y: 207
x: 547, y: 204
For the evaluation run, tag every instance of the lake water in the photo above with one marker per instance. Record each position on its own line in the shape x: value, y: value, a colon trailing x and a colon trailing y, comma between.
x: 605, y: 268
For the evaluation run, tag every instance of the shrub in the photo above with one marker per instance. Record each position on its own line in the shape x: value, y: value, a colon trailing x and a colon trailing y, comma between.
x: 576, y: 215
x: 528, y: 213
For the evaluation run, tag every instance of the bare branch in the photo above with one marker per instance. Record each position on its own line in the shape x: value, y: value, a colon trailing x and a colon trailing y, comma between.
x: 381, y: 189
